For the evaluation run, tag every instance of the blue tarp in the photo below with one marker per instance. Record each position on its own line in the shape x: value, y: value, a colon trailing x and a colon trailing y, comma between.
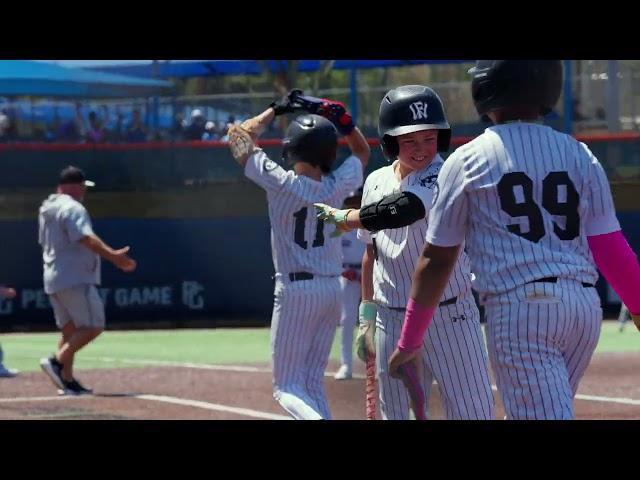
x: 37, y: 79
x: 204, y: 68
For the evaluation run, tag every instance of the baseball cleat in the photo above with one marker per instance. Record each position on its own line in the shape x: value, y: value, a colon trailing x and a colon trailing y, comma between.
x: 7, y: 372
x: 343, y: 373
x: 53, y: 368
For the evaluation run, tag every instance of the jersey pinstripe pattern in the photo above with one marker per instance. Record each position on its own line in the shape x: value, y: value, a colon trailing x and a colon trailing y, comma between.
x: 525, y: 198
x: 454, y: 353
x: 398, y: 249
x: 306, y: 308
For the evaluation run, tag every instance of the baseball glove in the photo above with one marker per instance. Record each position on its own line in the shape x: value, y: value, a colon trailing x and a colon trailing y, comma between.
x: 332, y: 110
x: 636, y: 321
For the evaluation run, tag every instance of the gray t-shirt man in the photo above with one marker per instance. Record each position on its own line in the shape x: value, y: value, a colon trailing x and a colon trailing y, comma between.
x: 63, y: 222
x: 71, y: 254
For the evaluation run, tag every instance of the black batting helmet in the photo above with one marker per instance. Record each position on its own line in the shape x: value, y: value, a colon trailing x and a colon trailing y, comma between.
x: 311, y: 139
x: 409, y: 109
x: 498, y: 84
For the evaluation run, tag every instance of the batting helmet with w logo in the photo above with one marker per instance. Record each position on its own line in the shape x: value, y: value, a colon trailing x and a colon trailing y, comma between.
x: 409, y: 109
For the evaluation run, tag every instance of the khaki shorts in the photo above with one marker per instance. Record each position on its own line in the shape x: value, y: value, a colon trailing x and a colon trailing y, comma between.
x: 81, y: 305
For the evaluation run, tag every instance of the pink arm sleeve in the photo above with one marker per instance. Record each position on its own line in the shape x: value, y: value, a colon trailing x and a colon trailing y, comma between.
x: 619, y: 266
x: 416, y: 320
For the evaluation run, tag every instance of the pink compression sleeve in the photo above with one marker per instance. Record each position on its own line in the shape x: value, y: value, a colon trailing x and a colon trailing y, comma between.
x: 619, y: 266
x: 416, y: 320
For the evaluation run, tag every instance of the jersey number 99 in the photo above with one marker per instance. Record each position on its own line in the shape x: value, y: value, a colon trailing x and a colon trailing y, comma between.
x: 530, y: 209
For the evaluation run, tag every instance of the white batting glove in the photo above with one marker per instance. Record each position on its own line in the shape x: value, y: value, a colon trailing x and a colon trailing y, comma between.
x: 365, y: 341
x: 338, y: 217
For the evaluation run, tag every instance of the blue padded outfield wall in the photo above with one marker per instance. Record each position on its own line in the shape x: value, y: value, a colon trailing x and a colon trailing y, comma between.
x: 199, y: 232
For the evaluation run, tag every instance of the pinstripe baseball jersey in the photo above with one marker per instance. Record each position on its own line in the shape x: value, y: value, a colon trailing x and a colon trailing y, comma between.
x: 397, y: 250
x: 299, y: 241
x: 352, y: 248
x: 525, y: 197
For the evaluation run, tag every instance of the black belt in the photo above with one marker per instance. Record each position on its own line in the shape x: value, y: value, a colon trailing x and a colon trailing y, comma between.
x: 555, y: 280
x: 351, y: 265
x: 449, y: 301
x: 297, y: 276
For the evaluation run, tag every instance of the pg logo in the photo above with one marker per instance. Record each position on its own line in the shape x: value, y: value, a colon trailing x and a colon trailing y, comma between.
x: 418, y: 110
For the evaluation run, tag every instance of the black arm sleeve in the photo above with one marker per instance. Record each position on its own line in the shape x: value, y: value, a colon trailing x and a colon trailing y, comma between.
x: 393, y: 211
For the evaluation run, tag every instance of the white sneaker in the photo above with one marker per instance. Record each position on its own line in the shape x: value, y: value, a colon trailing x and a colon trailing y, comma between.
x: 7, y: 372
x: 343, y: 373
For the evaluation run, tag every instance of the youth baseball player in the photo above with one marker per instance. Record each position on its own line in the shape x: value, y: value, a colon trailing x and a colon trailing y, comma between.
x: 9, y: 293
x: 71, y: 254
x: 534, y: 208
x: 397, y: 198
x: 307, y: 260
x: 352, y: 251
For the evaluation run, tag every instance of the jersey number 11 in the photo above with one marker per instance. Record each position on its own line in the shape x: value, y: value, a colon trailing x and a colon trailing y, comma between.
x: 298, y: 233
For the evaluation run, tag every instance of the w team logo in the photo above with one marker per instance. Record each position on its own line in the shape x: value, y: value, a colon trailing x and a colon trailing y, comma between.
x: 419, y: 110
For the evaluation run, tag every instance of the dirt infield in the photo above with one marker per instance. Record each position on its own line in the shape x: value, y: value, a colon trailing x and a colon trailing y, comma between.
x: 609, y: 390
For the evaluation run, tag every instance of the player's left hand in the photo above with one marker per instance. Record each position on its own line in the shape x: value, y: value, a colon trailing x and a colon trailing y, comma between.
x: 636, y: 320
x: 399, y: 358
x: 338, y: 217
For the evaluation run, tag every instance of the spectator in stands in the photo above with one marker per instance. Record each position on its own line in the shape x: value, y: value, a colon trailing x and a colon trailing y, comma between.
x: 71, y: 130
x: 95, y: 131
x: 577, y: 112
x: 105, y: 117
x: 51, y: 131
x: 601, y: 114
x: 4, y: 127
x: 108, y: 125
x: 210, y: 132
x: 136, y: 132
x: 116, y: 133
x: 178, y: 127
x: 196, y: 127
x: 10, y: 129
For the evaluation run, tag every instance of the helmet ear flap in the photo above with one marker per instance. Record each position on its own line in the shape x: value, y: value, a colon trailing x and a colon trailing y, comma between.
x: 286, y: 155
x: 390, y: 147
x: 444, y: 139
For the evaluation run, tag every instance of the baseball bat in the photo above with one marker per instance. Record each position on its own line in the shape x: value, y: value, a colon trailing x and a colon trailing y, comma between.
x: 371, y: 387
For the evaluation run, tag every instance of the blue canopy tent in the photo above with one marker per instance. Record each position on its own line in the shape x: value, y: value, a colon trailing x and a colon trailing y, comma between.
x: 36, y: 79
x: 202, y: 68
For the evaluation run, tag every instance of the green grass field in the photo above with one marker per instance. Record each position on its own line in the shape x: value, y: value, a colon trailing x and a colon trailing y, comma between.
x: 119, y: 349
